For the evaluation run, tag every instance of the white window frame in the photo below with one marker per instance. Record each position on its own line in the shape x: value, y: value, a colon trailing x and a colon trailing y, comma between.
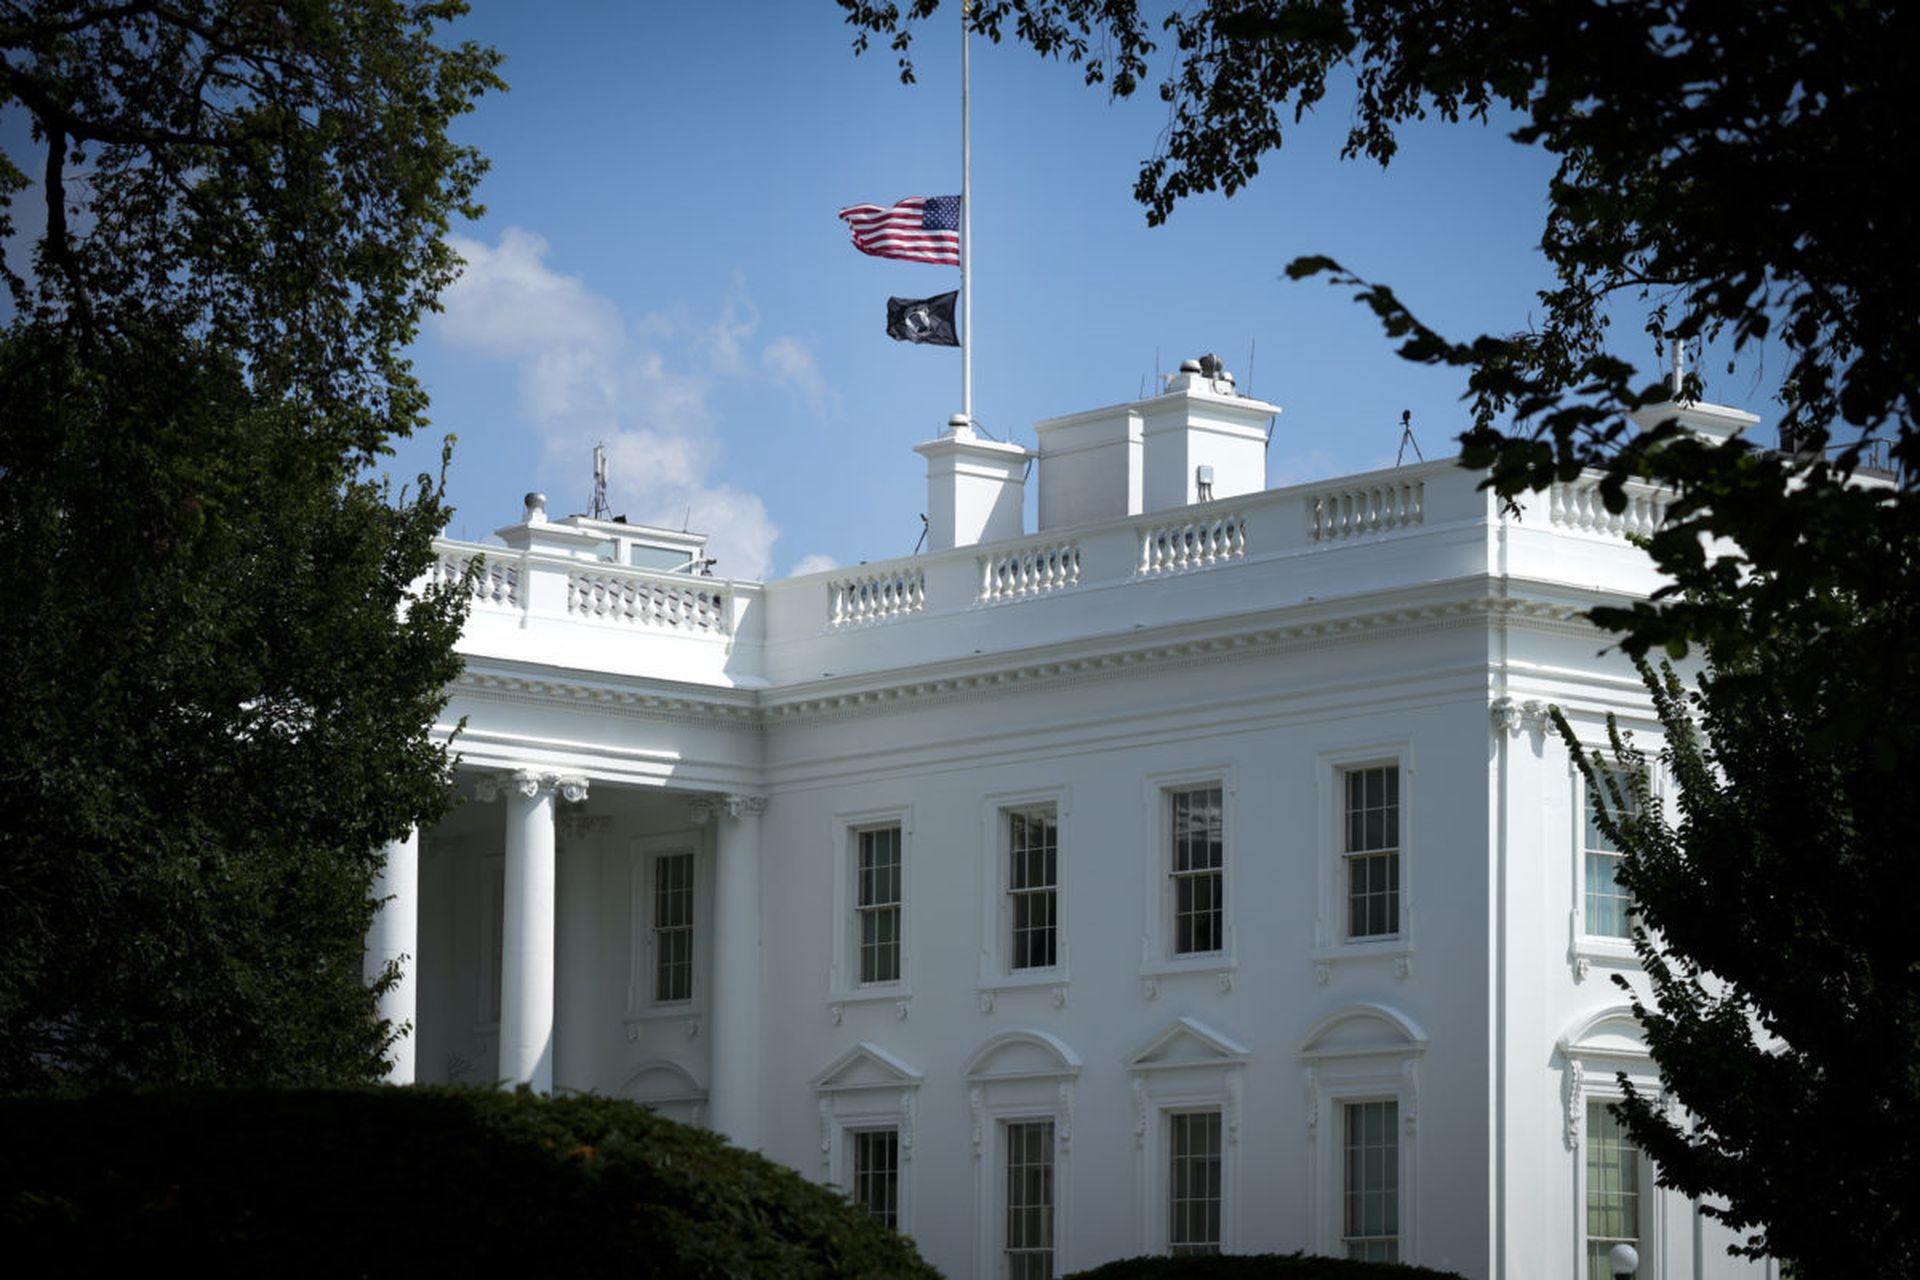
x: 1592, y: 1057
x: 1332, y: 944
x: 1584, y: 949
x: 867, y: 1088
x: 644, y: 855
x: 1017, y: 1076
x: 1187, y: 1068
x: 1361, y: 1053
x: 997, y: 973
x: 843, y: 984
x: 1158, y: 956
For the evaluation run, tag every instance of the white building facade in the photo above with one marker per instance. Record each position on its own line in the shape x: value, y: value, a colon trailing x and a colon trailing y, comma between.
x: 1198, y: 872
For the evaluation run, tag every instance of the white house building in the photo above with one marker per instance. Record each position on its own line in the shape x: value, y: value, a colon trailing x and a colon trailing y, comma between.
x: 1197, y: 872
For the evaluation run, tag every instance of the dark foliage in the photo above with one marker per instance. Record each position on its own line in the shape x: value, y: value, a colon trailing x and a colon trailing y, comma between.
x: 411, y: 1182
x: 1775, y: 921
x: 219, y: 689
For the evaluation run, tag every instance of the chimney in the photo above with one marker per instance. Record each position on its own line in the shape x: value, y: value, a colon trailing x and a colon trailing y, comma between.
x: 976, y: 489
x: 1196, y: 441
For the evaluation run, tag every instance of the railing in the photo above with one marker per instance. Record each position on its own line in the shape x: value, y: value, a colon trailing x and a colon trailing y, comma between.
x: 1029, y: 571
x: 1371, y: 508
x: 875, y: 596
x: 496, y: 584
x: 1192, y: 544
x: 1577, y: 505
x: 698, y: 605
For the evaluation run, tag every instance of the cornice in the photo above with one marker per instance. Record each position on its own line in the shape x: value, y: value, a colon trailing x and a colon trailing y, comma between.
x: 1023, y: 672
x: 651, y: 700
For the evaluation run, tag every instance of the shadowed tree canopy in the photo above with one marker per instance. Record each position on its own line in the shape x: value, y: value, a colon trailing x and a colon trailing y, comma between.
x: 221, y: 681
x: 1730, y: 172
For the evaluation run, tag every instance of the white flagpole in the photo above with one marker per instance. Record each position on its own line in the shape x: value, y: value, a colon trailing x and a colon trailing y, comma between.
x: 966, y: 233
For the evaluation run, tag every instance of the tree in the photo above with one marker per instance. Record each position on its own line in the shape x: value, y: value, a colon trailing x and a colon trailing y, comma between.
x: 222, y: 684
x: 1722, y: 168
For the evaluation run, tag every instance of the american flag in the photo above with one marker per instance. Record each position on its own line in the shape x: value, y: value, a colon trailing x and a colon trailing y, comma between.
x: 919, y: 229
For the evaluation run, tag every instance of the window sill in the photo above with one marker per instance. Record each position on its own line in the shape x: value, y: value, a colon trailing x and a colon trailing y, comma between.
x: 898, y: 994
x: 1024, y: 978
x: 1218, y: 965
x: 664, y: 1011
x: 1608, y: 953
x: 1053, y: 981
x: 638, y: 1021
x: 1398, y: 949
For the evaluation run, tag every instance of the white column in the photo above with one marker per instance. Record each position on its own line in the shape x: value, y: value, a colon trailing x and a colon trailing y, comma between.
x: 394, y: 939
x: 577, y: 1012
x: 734, y: 1009
x: 527, y: 907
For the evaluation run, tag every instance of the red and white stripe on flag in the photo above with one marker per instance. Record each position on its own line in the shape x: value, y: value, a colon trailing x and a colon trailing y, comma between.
x: 917, y: 229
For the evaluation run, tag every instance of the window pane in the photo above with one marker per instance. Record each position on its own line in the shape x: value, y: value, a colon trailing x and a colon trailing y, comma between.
x: 876, y: 1174
x: 1193, y: 1182
x: 1198, y: 854
x: 1608, y: 906
x: 1371, y: 827
x: 673, y: 927
x: 1371, y: 1197
x: 1613, y: 1189
x: 1029, y: 1222
x: 878, y: 904
x: 1033, y: 860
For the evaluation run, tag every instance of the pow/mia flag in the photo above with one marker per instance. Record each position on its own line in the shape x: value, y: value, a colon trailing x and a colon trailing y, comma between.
x: 927, y: 320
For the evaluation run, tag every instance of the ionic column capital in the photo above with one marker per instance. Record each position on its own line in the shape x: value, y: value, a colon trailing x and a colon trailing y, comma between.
x: 529, y: 783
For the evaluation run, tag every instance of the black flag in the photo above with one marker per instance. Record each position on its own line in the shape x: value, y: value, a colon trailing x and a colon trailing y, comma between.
x: 923, y: 319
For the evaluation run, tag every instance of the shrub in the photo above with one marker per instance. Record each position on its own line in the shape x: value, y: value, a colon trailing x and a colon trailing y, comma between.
x: 379, y: 1182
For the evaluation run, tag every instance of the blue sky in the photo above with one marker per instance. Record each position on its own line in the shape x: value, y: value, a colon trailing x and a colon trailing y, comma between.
x: 660, y: 268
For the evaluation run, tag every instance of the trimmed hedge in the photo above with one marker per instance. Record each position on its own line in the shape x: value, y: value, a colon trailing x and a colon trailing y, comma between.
x: 410, y: 1182
x: 1257, y: 1266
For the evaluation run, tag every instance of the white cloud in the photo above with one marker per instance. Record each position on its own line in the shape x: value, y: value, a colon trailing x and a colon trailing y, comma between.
x: 791, y: 364
x: 587, y: 377
x: 815, y: 563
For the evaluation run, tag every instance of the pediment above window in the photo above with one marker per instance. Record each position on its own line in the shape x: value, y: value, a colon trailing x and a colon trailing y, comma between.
x: 1189, y: 1043
x: 866, y: 1066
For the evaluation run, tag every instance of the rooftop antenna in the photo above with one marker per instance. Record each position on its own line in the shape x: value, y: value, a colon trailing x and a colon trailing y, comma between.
x: 597, y: 509
x: 1249, y: 391
x: 921, y: 541
x: 1406, y: 438
x: 1677, y: 354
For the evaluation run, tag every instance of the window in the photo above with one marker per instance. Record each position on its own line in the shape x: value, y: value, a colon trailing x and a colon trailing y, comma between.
x: 1362, y: 1072
x: 1033, y: 869
x: 1371, y: 850
x: 1029, y: 1203
x: 1613, y: 1188
x: 877, y: 904
x: 1609, y: 911
x: 1371, y: 1209
x: 1198, y: 858
x: 673, y: 927
x: 1193, y: 1182
x: 876, y: 1174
